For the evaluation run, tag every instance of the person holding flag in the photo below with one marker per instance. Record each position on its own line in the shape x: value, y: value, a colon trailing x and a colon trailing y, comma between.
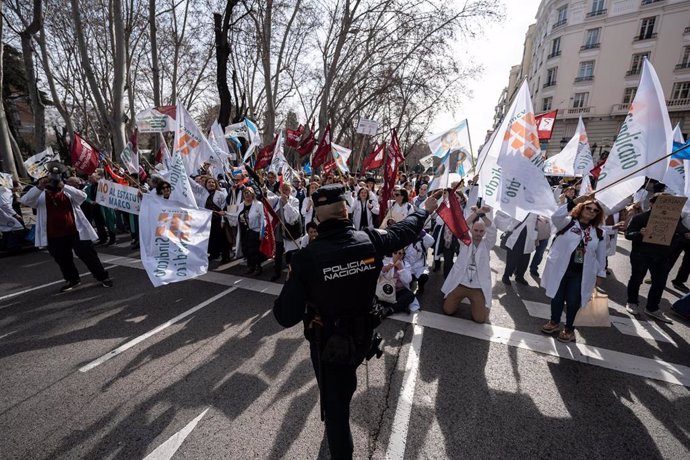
x: 470, y: 276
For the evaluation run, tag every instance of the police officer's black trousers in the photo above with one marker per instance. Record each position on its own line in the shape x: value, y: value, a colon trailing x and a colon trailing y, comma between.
x: 339, y: 384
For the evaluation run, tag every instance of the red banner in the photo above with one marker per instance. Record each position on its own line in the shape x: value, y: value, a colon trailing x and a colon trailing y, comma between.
x: 330, y: 167
x: 308, y: 143
x: 324, y: 149
x: 84, y: 155
x: 263, y: 159
x: 293, y: 136
x: 375, y: 159
x: 545, y: 122
x: 453, y: 216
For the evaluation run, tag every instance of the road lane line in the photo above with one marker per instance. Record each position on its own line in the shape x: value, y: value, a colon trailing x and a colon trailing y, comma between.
x: 401, y: 422
x: 15, y: 294
x: 166, y: 450
x: 623, y: 362
x: 7, y: 335
x: 126, y: 346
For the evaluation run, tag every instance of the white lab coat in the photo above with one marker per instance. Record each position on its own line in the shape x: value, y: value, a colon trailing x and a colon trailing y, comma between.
x: 559, y: 257
x: 356, y: 211
x: 482, y: 259
x: 415, y: 255
x: 531, y: 224
x: 307, y: 210
x: 290, y: 214
x: 8, y: 222
x: 405, y: 277
x: 256, y: 223
x: 36, y: 198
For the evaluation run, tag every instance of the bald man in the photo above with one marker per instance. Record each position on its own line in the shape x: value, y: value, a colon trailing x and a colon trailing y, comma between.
x: 330, y: 287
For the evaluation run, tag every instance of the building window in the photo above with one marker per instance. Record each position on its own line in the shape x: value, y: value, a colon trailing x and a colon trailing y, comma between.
x: 685, y: 60
x: 580, y: 100
x: 681, y: 90
x: 636, y: 63
x: 592, y: 38
x: 551, y: 75
x: 597, y: 5
x: 562, y: 14
x: 555, y: 47
x: 629, y: 94
x: 647, y: 28
x: 546, y: 104
x: 586, y: 71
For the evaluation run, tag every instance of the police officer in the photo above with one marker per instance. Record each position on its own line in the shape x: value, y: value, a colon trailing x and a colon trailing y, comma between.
x: 330, y: 287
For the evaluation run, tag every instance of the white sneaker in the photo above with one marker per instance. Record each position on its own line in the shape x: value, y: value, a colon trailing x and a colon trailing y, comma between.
x: 659, y: 315
x: 633, y: 309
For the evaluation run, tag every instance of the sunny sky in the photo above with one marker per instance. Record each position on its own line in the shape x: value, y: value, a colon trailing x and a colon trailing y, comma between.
x: 497, y: 50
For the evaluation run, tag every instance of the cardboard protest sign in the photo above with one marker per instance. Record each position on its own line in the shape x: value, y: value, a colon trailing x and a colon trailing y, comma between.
x: 117, y: 196
x: 664, y: 219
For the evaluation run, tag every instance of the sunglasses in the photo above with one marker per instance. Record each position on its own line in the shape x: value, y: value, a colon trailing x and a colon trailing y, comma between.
x: 165, y: 187
x: 592, y: 209
x: 397, y: 194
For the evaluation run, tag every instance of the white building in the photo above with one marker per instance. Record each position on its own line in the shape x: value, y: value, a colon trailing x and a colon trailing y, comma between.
x: 584, y: 57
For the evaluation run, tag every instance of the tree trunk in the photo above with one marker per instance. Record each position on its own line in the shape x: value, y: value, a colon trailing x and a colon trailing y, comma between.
x: 51, y: 84
x: 8, y: 164
x: 117, y: 116
x: 154, y: 54
x: 37, y: 107
x: 265, y: 42
x: 221, y: 27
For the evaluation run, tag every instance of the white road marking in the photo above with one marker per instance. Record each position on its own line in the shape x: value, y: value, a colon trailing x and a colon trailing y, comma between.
x: 35, y: 288
x: 646, y: 330
x: 124, y: 347
x: 166, y: 450
x: 623, y: 362
x: 401, y: 422
x: 7, y: 335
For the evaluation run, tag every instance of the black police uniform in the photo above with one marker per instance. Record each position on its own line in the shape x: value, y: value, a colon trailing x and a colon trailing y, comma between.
x: 335, y: 278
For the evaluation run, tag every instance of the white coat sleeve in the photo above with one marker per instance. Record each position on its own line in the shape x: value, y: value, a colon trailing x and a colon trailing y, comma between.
x: 77, y: 196
x: 491, y: 236
x: 376, y: 207
x: 428, y: 240
x: 561, y: 217
x: 601, y: 257
x: 291, y: 211
x: 306, y: 206
x: 199, y: 192
x: 30, y: 198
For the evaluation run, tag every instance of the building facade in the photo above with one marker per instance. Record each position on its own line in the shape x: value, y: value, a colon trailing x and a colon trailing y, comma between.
x: 584, y: 57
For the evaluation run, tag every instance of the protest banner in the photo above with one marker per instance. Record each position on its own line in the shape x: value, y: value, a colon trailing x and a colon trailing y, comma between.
x: 174, y: 240
x: 35, y: 165
x: 84, y: 155
x: 117, y: 196
x: 663, y: 219
x: 156, y: 120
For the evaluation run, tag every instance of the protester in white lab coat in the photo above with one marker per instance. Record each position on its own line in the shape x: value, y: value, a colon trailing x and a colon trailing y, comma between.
x: 415, y: 256
x: 365, y: 209
x: 251, y: 222
x: 577, y: 257
x: 308, y: 204
x: 470, y: 276
x: 519, y: 246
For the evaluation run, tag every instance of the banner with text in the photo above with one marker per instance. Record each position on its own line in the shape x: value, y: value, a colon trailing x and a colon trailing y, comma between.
x: 117, y: 196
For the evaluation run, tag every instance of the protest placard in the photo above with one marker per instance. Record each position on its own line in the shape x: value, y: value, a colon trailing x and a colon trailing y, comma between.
x: 117, y: 196
x: 664, y: 219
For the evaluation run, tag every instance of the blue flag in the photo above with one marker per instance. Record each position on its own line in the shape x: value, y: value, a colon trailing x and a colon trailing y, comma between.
x: 683, y: 151
x: 307, y: 168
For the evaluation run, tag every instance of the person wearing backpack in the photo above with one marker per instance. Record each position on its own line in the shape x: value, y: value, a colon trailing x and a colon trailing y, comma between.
x: 576, y: 263
x: 330, y: 288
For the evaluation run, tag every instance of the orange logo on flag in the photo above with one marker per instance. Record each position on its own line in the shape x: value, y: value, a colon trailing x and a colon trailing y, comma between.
x: 522, y: 135
x: 186, y: 143
x: 174, y: 225
x: 674, y: 163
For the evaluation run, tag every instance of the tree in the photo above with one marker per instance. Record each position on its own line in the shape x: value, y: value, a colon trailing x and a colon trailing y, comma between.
x: 8, y: 163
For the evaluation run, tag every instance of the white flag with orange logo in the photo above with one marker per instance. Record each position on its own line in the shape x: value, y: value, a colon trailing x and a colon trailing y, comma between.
x: 675, y: 170
x: 194, y: 148
x: 524, y: 188
x: 174, y: 240
x: 575, y: 159
x: 644, y: 137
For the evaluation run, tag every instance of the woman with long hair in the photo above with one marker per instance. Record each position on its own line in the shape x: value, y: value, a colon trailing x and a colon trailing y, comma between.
x: 576, y: 263
x: 251, y: 221
x: 364, y: 210
x: 218, y: 244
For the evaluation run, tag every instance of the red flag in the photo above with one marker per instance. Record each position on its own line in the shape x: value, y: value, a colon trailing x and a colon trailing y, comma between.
x: 395, y: 149
x: 545, y: 122
x: 307, y: 145
x: 263, y: 159
x: 292, y: 137
x: 597, y: 169
x: 390, y: 172
x: 268, y: 239
x: 84, y: 155
x: 375, y: 158
x: 116, y: 177
x: 324, y: 149
x: 451, y: 213
x: 330, y: 167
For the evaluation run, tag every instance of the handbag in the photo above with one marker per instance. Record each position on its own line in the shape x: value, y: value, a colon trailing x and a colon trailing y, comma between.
x: 595, y: 313
x: 385, y: 287
x: 506, y: 234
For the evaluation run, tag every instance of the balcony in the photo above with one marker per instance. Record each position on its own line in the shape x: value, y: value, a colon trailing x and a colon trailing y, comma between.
x: 560, y: 23
x: 632, y: 72
x: 585, y: 78
x: 683, y: 66
x: 554, y: 54
x: 650, y: 2
x: 548, y: 84
x: 640, y: 38
x: 676, y: 105
x: 590, y: 46
x: 618, y: 109
x: 593, y: 14
x: 575, y: 112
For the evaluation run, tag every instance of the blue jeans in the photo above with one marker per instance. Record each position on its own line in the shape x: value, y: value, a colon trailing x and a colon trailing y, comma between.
x: 538, y: 256
x: 568, y: 293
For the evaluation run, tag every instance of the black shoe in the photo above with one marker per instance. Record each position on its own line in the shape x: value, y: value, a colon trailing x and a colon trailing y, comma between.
x: 250, y: 270
x: 214, y: 257
x: 534, y: 274
x: 521, y: 280
x: 420, y: 291
x: 506, y: 280
x: 225, y: 260
x: 680, y: 286
x: 111, y: 240
x: 108, y: 283
x: 258, y: 271
x: 275, y: 277
x: 69, y: 286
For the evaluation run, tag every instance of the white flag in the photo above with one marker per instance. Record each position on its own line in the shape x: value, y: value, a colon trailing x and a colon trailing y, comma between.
x: 192, y: 145
x: 340, y: 156
x: 174, y: 240
x: 441, y: 179
x: 427, y: 161
x: 35, y: 165
x: 441, y: 143
x: 489, y: 171
x: 219, y: 144
x: 254, y: 138
x: 130, y: 158
x: 674, y: 179
x: 524, y: 188
x: 644, y: 137
x: 5, y: 180
x: 278, y: 159
x: 575, y: 159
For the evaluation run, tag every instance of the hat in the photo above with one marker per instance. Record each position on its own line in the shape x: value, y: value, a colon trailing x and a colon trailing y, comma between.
x: 329, y: 194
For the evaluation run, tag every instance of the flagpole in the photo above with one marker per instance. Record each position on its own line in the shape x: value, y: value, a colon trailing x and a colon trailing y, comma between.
x: 469, y: 138
x: 684, y: 146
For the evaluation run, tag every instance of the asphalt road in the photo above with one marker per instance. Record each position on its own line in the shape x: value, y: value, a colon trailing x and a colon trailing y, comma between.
x: 201, y: 370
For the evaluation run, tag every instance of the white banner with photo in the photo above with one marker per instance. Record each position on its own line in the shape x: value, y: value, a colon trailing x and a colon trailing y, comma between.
x: 174, y: 240
x: 35, y: 165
